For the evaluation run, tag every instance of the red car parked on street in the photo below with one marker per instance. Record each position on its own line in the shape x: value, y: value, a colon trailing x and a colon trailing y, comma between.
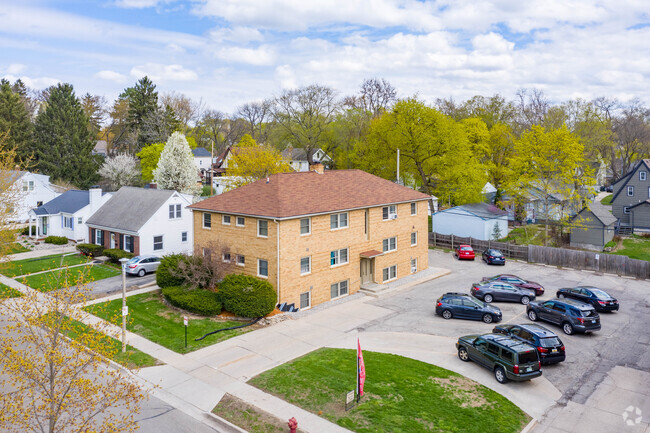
x: 464, y: 252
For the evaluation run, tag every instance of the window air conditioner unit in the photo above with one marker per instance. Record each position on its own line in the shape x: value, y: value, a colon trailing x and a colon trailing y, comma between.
x: 393, y: 217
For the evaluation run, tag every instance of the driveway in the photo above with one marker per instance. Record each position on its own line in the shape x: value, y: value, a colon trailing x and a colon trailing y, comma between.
x: 112, y: 285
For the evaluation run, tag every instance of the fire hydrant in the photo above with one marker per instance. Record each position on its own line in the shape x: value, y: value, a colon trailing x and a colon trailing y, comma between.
x: 293, y: 425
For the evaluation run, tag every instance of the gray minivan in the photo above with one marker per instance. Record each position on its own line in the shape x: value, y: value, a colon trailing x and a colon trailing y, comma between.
x: 141, y: 265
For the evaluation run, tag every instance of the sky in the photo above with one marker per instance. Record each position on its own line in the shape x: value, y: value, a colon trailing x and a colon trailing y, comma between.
x: 230, y: 52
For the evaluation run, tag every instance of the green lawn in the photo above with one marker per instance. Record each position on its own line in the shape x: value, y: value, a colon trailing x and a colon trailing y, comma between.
x: 636, y: 247
x: 607, y: 200
x: 15, y: 248
x: 155, y: 321
x: 52, y: 280
x: 29, y: 266
x: 132, y: 358
x: 8, y: 292
x: 532, y: 234
x: 248, y: 417
x: 401, y: 394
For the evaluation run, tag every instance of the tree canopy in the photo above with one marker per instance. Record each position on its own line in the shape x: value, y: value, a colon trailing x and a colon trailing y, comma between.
x: 250, y: 162
x: 176, y: 169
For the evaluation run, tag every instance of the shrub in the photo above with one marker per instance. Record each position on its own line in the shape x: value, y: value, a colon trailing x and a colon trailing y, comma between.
x: 197, y: 301
x: 167, y: 274
x: 115, y: 254
x: 247, y: 296
x: 91, y: 250
x: 56, y: 240
x: 25, y: 231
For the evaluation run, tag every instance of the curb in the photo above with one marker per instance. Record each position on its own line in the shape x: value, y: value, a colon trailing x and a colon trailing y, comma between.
x: 530, y: 426
x: 227, y: 426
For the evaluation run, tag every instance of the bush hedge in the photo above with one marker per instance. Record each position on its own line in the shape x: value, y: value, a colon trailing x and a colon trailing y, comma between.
x: 91, y: 250
x: 164, y: 275
x: 56, y: 240
x: 247, y: 296
x: 197, y: 301
x: 115, y: 254
x: 25, y: 231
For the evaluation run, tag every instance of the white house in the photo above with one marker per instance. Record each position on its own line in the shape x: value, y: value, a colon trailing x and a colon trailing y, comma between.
x: 66, y: 215
x: 202, y: 158
x: 33, y: 190
x: 476, y: 220
x: 297, y: 158
x: 144, y: 221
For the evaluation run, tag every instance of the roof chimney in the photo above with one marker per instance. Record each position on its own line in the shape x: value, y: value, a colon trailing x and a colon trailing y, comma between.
x: 317, y: 167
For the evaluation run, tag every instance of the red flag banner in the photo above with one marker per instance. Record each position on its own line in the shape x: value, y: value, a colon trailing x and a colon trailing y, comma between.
x: 361, y: 369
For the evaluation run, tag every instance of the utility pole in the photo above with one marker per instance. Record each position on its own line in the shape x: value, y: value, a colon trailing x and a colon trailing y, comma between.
x: 211, y: 166
x: 398, y: 167
x: 125, y: 310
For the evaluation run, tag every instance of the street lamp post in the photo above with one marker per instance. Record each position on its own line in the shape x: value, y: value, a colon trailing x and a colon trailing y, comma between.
x: 125, y: 310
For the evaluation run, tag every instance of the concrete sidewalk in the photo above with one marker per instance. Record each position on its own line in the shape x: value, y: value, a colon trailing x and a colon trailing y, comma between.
x: 65, y: 249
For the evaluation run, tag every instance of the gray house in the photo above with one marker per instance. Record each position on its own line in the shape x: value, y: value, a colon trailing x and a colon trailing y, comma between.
x: 630, y: 193
x: 595, y: 226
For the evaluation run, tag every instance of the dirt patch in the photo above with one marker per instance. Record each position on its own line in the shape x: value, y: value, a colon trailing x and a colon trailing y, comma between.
x: 249, y: 417
x: 463, y: 389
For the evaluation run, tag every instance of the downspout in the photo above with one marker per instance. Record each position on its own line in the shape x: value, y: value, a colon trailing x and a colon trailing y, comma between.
x: 277, y: 275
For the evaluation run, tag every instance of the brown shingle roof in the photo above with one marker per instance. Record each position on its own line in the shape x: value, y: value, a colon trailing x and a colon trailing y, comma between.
x: 289, y: 195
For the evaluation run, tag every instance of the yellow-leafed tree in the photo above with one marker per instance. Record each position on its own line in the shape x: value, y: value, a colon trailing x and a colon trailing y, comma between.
x: 10, y: 193
x: 250, y: 162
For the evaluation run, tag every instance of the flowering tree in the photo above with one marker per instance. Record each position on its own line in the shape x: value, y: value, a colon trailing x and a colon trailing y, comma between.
x: 176, y: 169
x: 10, y: 192
x: 251, y: 162
x: 120, y: 170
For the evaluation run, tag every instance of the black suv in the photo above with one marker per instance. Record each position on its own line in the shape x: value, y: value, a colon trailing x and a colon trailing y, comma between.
x: 549, y: 346
x: 601, y: 300
x: 463, y: 306
x: 508, y: 358
x: 573, y: 316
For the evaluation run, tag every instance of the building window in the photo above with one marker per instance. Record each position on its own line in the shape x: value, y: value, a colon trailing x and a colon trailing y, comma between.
x: 174, y: 211
x: 414, y: 265
x: 99, y: 237
x: 207, y: 220
x: 649, y: 191
x: 414, y: 208
x: 28, y: 185
x: 226, y: 257
x: 184, y: 237
x: 305, y: 300
x: 241, y: 221
x: 339, y: 221
x: 67, y: 222
x: 339, y: 289
x: 262, y: 268
x: 225, y: 219
x: 79, y: 220
x: 39, y: 203
x: 241, y: 260
x: 128, y: 243
x: 206, y: 252
x: 630, y: 191
x: 25, y: 185
x: 390, y: 244
x: 389, y: 212
x: 262, y: 228
x: 642, y: 175
x: 305, y: 265
x: 626, y: 209
x: 414, y: 238
x: 390, y: 273
x: 157, y: 243
x: 305, y: 226
x: 339, y: 257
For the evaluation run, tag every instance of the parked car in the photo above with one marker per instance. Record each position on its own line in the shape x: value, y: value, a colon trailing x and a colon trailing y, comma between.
x: 494, y: 257
x: 463, y: 306
x: 601, y: 300
x: 573, y: 316
x: 464, y: 252
x: 519, y: 282
x: 508, y: 358
x: 550, y: 348
x: 141, y: 265
x: 498, y: 291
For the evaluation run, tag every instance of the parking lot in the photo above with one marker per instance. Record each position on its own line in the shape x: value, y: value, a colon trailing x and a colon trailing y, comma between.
x: 624, y: 339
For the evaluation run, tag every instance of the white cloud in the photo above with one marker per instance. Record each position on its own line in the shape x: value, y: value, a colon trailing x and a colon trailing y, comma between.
x: 239, y: 35
x: 285, y: 75
x: 159, y: 72
x: 15, y: 68
x: 34, y: 83
x: 137, y: 4
x: 262, y: 56
x: 111, y: 76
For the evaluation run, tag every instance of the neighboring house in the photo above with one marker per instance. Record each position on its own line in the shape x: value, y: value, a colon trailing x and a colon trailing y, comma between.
x: 66, y: 215
x: 594, y: 227
x: 535, y: 204
x: 33, y: 190
x: 101, y: 148
x: 297, y: 158
x: 144, y: 221
x: 318, y: 235
x: 434, y: 200
x: 489, y: 192
x: 202, y: 159
x: 476, y: 220
x: 630, y: 194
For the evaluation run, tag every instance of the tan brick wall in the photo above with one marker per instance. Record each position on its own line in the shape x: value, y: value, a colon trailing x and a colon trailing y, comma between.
x: 319, y: 244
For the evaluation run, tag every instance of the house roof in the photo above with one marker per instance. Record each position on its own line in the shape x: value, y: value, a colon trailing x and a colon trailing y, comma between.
x: 647, y: 201
x: 602, y: 213
x: 628, y: 176
x: 288, y: 195
x: 484, y: 211
x: 68, y: 202
x: 300, y: 154
x: 201, y: 152
x: 130, y: 208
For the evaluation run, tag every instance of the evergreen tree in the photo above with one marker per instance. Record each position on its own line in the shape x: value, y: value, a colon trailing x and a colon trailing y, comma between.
x: 176, y: 169
x: 143, y: 102
x: 63, y: 143
x: 15, y: 121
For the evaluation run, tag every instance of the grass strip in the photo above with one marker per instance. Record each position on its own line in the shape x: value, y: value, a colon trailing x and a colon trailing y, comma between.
x: 29, y: 266
x: 48, y: 281
x: 8, y: 292
x: 151, y: 318
x: 401, y: 394
x: 249, y: 417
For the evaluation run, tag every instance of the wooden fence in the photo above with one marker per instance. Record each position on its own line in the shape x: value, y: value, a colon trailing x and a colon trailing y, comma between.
x: 576, y: 259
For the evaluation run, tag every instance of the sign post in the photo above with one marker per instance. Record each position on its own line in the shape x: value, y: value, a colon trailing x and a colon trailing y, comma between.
x: 185, y: 324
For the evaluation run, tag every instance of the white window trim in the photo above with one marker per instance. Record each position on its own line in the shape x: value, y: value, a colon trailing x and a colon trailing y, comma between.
x: 416, y: 239
x: 203, y: 221
x: 645, y: 175
x: 338, y: 283
x: 223, y: 220
x: 223, y: 257
x: 153, y: 246
x: 649, y: 192
x: 414, y: 205
x: 308, y: 292
x: 309, y: 271
x: 389, y: 250
x: 258, y: 268
x: 80, y: 220
x: 237, y: 221
x: 630, y: 191
x: 237, y: 260
x: 338, y: 221
x: 391, y: 215
x: 300, y: 227
x: 186, y: 237
x: 389, y: 279
x: 626, y: 209
x: 258, y: 229
x: 338, y: 253
x: 416, y: 265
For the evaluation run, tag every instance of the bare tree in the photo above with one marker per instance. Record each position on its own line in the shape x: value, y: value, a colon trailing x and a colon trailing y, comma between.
x: 187, y: 111
x: 207, y: 267
x: 632, y: 131
x: 532, y: 106
x: 608, y: 106
x: 216, y: 127
x: 377, y: 95
x: 256, y: 114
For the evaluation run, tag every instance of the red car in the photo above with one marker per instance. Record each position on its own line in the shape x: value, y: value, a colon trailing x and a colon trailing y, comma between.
x: 464, y: 252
